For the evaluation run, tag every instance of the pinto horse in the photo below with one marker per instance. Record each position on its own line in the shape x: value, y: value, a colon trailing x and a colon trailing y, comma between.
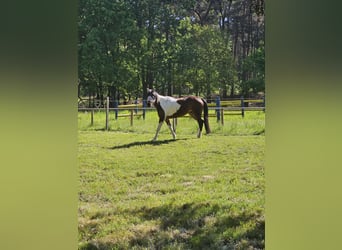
x: 169, y: 107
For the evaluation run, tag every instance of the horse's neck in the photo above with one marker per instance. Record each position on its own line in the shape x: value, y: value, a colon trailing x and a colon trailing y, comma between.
x: 157, y: 96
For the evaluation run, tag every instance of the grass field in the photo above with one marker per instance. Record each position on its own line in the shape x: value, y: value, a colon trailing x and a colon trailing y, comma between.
x: 187, y: 193
x: 252, y: 124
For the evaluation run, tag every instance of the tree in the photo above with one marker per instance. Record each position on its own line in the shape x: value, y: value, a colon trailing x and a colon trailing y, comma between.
x: 179, y: 47
x: 254, y: 65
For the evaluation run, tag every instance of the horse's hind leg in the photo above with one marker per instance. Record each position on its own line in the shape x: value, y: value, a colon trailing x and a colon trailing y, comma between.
x: 197, y: 117
x: 200, y: 126
x: 171, y: 129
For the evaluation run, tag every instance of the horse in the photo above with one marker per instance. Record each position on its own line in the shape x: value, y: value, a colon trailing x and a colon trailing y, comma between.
x: 170, y: 107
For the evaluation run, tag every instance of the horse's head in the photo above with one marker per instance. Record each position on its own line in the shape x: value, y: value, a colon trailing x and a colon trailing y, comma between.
x: 151, y: 97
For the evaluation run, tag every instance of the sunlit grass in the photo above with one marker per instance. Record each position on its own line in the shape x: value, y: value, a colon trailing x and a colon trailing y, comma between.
x: 187, y: 193
x: 253, y: 123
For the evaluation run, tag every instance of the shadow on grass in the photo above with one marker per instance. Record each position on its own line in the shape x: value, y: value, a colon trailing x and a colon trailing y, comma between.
x: 200, y: 226
x: 142, y: 143
x: 192, y: 226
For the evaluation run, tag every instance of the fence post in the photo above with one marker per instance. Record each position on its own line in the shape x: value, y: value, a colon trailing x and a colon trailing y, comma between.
x: 116, y: 109
x: 92, y: 117
x: 107, y: 113
x: 144, y: 108
x: 136, y: 106
x: 242, y: 107
x: 131, y: 117
x: 222, y: 116
x: 218, y: 105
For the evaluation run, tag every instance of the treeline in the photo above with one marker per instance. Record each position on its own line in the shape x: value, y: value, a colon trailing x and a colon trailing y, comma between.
x: 177, y: 47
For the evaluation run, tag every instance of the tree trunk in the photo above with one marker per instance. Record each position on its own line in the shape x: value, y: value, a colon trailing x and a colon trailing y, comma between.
x: 144, y: 83
x: 232, y: 89
x: 112, y: 95
x: 224, y: 90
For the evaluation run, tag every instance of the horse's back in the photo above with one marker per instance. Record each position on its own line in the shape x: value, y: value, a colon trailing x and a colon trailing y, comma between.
x: 193, y: 100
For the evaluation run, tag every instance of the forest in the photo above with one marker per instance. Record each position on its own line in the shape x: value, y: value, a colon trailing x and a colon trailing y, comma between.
x: 198, y: 47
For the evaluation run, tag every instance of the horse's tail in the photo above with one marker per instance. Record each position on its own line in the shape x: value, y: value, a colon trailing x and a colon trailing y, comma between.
x: 206, y: 120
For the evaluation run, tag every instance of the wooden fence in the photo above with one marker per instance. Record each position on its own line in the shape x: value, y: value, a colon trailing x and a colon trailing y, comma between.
x: 220, y: 110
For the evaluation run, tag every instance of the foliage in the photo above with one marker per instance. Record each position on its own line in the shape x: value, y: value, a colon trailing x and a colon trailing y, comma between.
x: 255, y: 64
x: 180, y: 47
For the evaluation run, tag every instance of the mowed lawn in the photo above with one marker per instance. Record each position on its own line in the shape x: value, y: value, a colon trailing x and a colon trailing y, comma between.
x: 187, y: 193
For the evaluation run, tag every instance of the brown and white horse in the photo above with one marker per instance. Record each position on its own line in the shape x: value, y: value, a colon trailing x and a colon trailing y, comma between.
x: 169, y: 107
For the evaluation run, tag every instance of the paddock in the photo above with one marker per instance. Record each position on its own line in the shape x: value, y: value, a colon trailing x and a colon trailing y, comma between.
x: 187, y: 193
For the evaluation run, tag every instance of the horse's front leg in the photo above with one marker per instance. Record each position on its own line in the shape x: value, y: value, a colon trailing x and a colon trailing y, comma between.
x: 158, y: 128
x: 171, y: 129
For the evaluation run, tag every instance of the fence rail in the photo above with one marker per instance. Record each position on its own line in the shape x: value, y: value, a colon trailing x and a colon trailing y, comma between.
x: 147, y: 108
x: 234, y: 102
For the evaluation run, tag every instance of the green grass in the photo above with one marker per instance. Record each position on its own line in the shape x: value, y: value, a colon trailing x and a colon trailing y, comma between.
x: 187, y: 193
x: 252, y: 124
